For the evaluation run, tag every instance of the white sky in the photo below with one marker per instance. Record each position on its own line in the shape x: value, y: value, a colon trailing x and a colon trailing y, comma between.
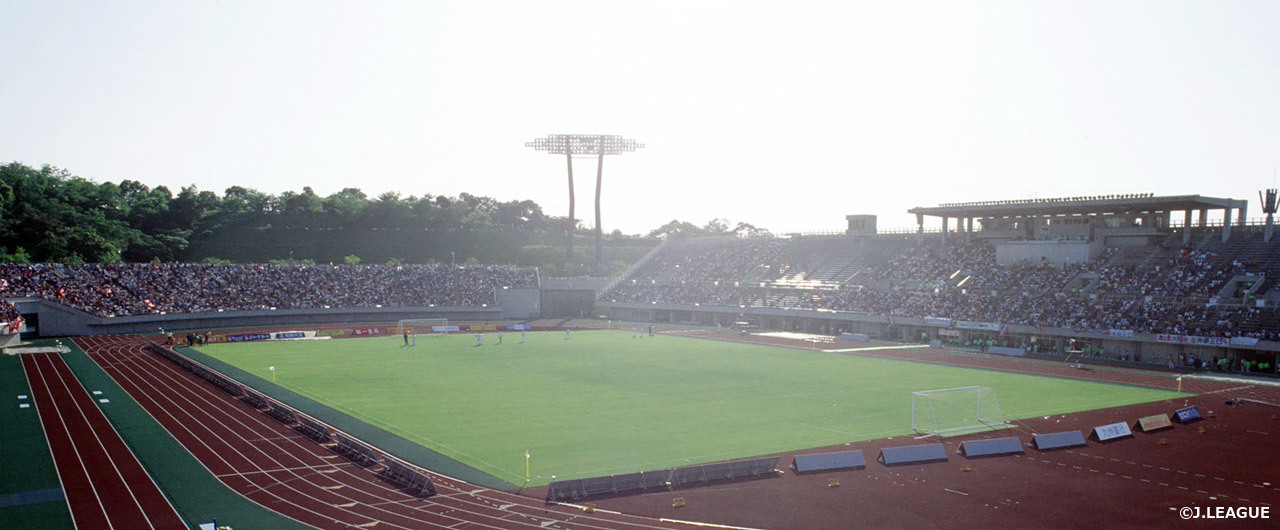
x: 787, y: 115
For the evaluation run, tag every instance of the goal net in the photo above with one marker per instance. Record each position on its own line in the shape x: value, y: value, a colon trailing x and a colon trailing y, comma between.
x: 954, y: 411
x: 420, y: 326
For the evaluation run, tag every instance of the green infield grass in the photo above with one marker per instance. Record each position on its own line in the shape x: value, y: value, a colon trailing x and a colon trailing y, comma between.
x: 604, y: 403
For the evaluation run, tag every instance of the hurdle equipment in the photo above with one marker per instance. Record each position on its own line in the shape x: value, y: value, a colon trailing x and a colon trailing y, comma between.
x: 725, y: 471
x: 1111, y: 431
x: 573, y: 490
x: 829, y: 461
x: 312, y: 429
x: 358, y: 453
x: 282, y: 414
x: 1059, y: 440
x: 993, y: 447
x: 953, y: 411
x: 408, y: 479
x: 253, y: 399
x: 912, y: 454
x: 223, y: 383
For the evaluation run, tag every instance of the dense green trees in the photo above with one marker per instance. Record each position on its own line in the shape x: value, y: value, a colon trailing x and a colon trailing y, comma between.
x: 55, y: 216
x: 48, y: 214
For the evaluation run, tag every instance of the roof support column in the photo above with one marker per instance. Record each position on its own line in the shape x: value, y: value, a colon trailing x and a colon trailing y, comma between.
x: 1186, y: 227
x: 944, y: 229
x: 1226, y: 224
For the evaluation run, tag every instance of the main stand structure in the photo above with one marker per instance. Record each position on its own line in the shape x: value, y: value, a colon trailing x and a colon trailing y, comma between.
x: 584, y: 146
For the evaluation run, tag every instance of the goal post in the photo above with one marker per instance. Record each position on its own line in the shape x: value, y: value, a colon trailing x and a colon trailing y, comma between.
x: 953, y: 411
x: 419, y: 326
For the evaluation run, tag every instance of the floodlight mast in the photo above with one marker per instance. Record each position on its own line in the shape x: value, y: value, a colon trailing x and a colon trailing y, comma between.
x: 585, y: 145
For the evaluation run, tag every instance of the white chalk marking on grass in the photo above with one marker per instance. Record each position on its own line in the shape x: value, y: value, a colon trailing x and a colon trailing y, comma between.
x: 872, y: 348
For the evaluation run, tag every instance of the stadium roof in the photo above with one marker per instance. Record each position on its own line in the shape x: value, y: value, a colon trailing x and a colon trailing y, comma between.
x: 1140, y: 202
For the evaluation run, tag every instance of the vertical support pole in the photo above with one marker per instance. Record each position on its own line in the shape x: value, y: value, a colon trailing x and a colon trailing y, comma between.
x: 1226, y: 224
x: 944, y: 229
x: 599, y: 229
x: 1186, y: 227
x: 1240, y: 218
x: 920, y: 223
x: 568, y: 255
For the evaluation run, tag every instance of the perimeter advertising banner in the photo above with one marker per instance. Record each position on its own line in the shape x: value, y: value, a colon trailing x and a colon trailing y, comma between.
x: 1188, y: 339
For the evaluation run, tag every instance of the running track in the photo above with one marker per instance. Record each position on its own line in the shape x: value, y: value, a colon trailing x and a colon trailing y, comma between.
x: 104, y: 484
x: 275, y: 467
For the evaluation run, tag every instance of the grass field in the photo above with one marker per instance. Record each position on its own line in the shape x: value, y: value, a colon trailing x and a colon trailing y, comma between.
x: 604, y: 403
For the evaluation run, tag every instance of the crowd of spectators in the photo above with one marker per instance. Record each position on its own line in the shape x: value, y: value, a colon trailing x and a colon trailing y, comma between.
x: 10, y: 315
x: 964, y: 282
x: 145, y: 288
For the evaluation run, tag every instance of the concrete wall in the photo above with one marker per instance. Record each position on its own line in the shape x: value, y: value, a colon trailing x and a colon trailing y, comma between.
x: 1056, y: 252
x: 519, y: 303
x: 58, y: 320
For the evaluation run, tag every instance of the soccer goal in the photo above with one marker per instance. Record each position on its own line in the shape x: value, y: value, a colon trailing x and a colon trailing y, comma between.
x: 419, y: 326
x: 953, y: 411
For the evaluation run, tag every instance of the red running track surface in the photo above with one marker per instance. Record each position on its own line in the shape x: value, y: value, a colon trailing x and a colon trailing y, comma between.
x: 273, y: 466
x: 105, y: 485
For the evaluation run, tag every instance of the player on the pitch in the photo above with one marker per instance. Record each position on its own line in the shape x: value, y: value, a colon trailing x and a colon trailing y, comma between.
x: 479, y: 339
x: 499, y: 337
x: 566, y: 333
x: 522, y: 332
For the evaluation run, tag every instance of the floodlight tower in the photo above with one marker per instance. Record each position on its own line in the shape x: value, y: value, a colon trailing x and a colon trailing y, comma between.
x: 1268, y: 207
x: 584, y: 146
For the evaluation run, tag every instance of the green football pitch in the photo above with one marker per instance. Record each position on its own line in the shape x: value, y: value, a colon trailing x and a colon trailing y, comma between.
x: 604, y: 403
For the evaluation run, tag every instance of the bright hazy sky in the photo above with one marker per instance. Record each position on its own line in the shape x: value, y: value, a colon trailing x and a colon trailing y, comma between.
x: 788, y: 115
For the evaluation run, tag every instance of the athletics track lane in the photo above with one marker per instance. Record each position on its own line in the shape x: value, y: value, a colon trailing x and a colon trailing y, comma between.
x: 277, y: 468
x: 105, y: 485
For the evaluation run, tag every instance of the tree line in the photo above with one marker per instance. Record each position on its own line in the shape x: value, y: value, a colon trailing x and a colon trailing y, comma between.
x: 50, y: 215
